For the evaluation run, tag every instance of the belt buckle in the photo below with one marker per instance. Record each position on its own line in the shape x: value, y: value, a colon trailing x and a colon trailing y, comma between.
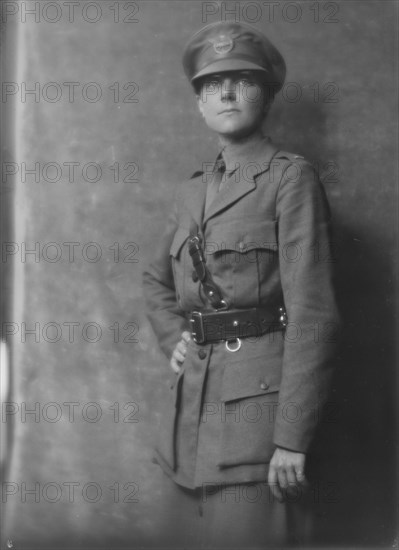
x: 197, y: 327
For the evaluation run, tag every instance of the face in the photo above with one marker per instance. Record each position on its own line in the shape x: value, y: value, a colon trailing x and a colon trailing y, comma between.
x: 233, y: 103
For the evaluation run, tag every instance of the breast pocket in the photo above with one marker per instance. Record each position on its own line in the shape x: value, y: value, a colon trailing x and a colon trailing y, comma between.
x: 249, y: 400
x: 244, y: 255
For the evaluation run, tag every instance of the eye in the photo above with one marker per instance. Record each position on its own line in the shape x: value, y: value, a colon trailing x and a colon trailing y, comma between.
x: 247, y: 81
x: 212, y: 83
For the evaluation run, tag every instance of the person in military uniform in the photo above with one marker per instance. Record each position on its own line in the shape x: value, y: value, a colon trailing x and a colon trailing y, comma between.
x: 238, y: 298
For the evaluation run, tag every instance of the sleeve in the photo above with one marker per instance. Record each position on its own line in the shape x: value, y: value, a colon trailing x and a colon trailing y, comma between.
x: 306, y: 276
x: 167, y: 319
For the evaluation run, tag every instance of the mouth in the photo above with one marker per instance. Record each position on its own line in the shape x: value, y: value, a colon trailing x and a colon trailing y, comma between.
x: 229, y: 111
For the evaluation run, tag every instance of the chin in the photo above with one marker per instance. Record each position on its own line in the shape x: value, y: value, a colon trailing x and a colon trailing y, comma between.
x: 230, y: 129
x: 236, y: 132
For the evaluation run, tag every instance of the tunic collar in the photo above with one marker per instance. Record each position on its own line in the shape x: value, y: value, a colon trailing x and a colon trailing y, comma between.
x: 250, y: 162
x: 252, y: 152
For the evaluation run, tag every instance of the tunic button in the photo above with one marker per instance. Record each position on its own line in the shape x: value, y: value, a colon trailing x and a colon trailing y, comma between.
x: 264, y: 386
x: 202, y: 354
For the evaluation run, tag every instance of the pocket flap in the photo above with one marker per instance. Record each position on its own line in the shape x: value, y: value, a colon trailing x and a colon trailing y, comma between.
x: 243, y: 237
x: 250, y: 377
x: 179, y: 239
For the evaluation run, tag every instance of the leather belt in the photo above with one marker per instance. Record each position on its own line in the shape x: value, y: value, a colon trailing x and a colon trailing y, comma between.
x: 234, y: 324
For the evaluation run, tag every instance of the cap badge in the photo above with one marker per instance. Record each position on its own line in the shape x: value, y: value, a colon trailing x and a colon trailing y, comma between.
x: 223, y: 44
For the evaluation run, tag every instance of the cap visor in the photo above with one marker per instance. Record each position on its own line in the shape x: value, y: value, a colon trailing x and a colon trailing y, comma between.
x: 224, y: 65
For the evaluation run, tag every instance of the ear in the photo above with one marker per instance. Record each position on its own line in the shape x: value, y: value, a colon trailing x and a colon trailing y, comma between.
x: 199, y: 103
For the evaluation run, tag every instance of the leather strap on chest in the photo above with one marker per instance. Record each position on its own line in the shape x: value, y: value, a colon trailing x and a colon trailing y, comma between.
x: 212, y: 291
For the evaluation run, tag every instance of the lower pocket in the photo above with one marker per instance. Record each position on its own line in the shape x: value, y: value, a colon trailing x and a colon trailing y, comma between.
x: 250, y: 393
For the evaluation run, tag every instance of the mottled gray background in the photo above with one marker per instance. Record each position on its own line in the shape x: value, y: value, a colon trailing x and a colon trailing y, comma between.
x: 353, y: 140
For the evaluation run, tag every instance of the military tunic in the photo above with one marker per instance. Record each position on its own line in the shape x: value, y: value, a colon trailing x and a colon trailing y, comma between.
x: 267, y: 239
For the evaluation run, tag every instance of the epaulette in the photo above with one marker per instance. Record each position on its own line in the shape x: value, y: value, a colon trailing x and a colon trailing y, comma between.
x: 289, y: 156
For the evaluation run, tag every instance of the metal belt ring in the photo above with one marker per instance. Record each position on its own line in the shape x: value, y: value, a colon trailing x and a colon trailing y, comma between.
x: 233, y: 350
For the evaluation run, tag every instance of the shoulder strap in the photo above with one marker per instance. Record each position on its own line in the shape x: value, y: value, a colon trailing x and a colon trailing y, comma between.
x: 212, y: 291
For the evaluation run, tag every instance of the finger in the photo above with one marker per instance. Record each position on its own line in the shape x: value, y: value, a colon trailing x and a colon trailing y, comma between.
x: 282, y: 479
x: 291, y: 477
x: 292, y: 488
x: 300, y: 471
x: 173, y: 363
x: 182, y: 348
x: 300, y: 476
x: 178, y: 356
x: 273, y: 484
x: 186, y: 336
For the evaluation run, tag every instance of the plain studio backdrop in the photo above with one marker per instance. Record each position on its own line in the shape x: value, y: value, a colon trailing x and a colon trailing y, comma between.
x: 98, y: 125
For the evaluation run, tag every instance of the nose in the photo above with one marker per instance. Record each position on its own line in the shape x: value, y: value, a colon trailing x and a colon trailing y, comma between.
x: 228, y: 90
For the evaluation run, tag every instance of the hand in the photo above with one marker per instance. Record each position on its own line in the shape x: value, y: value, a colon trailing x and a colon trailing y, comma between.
x: 286, y: 472
x: 179, y: 353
